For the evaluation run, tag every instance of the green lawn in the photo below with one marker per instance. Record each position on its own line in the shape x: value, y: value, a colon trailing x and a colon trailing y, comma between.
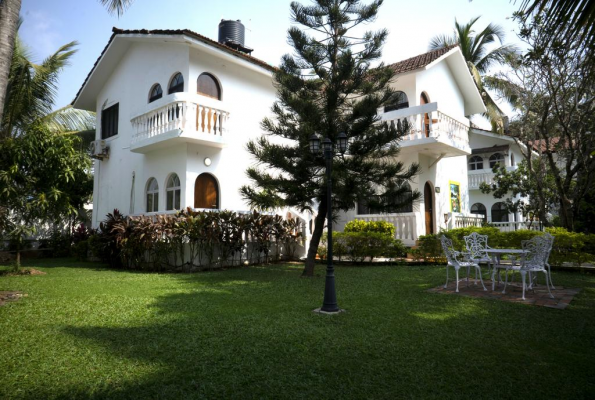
x: 88, y: 332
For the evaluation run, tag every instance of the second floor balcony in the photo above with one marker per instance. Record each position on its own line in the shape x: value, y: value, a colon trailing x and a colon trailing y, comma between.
x: 477, y: 177
x: 431, y: 131
x: 179, y: 118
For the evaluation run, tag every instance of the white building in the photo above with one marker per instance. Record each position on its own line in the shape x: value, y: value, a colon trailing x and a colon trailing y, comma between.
x: 176, y: 110
x: 489, y: 148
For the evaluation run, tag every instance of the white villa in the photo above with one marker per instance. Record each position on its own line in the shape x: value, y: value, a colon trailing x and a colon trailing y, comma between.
x: 175, y: 110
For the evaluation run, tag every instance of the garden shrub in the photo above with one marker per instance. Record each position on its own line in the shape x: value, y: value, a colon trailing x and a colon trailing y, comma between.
x: 429, y: 248
x: 383, y: 227
x: 361, y: 246
x: 193, y: 239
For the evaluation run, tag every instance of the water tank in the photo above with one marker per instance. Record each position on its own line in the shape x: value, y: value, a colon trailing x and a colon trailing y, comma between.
x: 231, y: 31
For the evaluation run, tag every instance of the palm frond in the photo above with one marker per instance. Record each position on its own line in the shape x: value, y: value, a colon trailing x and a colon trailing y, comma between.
x: 441, y: 41
x: 505, y: 89
x: 116, y: 6
x: 573, y: 19
x: 497, y: 55
x: 68, y: 120
x: 32, y: 88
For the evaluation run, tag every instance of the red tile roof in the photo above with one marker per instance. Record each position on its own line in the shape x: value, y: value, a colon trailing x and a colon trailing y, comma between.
x: 186, y: 32
x: 420, y: 61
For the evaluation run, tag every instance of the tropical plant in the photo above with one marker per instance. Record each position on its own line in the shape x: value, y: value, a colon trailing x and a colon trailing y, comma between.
x: 328, y: 86
x: 32, y: 91
x: 9, y: 24
x: 476, y: 50
x: 191, y: 239
x: 554, y: 83
x: 43, y: 178
x: 569, y: 19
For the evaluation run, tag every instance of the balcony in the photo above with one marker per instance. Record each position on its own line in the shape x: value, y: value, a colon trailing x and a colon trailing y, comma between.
x: 179, y: 118
x: 477, y: 177
x: 431, y: 131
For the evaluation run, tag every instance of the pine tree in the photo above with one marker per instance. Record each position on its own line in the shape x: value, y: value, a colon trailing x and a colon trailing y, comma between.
x: 326, y: 87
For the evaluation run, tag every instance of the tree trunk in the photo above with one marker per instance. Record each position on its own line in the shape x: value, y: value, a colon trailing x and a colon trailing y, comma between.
x: 315, y: 240
x: 9, y: 20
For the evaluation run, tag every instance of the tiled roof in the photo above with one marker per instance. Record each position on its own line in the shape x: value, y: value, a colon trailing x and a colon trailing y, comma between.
x: 420, y: 61
x: 187, y: 32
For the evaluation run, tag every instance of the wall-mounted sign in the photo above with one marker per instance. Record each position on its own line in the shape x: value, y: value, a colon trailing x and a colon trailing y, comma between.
x: 455, y: 196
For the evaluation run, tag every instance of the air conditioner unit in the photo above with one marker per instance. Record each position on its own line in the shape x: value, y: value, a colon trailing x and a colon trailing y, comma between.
x: 99, y: 149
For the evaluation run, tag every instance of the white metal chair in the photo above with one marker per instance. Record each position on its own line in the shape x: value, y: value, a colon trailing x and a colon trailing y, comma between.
x: 533, y: 261
x: 477, y: 245
x: 452, y: 256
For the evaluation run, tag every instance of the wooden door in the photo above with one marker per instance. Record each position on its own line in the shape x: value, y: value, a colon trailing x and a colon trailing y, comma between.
x: 426, y: 120
x: 429, y: 208
x: 206, y: 192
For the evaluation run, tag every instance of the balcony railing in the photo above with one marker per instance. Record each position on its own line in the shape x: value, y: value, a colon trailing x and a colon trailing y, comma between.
x: 515, y: 225
x: 194, y: 116
x: 408, y: 225
x: 476, y: 178
x: 428, y: 124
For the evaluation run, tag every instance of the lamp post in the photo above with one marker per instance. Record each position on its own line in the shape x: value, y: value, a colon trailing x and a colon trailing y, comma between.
x: 329, y: 304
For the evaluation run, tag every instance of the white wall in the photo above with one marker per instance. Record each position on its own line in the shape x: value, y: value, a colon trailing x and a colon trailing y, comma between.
x: 441, y: 87
x: 247, y: 95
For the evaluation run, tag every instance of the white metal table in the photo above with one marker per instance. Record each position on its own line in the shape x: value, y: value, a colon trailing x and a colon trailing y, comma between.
x: 497, y: 254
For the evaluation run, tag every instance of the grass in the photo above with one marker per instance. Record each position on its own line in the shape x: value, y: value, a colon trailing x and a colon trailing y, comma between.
x: 88, y: 332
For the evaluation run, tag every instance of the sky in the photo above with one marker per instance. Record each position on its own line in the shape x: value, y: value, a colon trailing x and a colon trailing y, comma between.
x: 49, y: 24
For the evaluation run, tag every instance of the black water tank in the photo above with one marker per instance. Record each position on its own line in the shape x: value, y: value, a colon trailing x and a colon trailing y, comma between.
x: 231, y: 31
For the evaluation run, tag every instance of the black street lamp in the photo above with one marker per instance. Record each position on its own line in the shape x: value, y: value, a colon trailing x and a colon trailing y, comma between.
x: 329, y: 304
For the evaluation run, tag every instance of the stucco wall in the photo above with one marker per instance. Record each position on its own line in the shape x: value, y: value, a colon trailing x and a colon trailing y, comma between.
x: 441, y: 87
x: 247, y: 95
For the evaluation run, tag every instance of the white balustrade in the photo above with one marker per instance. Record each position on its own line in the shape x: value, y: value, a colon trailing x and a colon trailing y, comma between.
x: 426, y: 121
x: 188, y: 115
x: 407, y: 224
x: 460, y: 220
x: 477, y: 177
x: 516, y: 225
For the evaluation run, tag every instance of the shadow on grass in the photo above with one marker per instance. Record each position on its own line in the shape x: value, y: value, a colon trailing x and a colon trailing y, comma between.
x: 251, y: 334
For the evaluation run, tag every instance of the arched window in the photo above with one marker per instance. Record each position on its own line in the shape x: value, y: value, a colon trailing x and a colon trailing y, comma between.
x: 206, y: 192
x: 499, y: 212
x: 475, y: 163
x: 512, y: 163
x: 176, y: 84
x: 479, y: 208
x: 152, y: 195
x: 155, y: 93
x: 173, y: 191
x: 496, y: 159
x: 207, y: 85
x: 398, y: 102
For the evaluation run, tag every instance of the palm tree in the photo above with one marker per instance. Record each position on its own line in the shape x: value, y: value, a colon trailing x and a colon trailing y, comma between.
x: 474, y: 48
x: 571, y: 19
x: 9, y: 17
x: 31, y: 93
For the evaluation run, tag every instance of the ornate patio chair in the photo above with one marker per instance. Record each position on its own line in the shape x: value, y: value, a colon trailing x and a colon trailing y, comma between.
x: 458, y: 260
x: 550, y: 244
x: 477, y: 245
x: 533, y: 261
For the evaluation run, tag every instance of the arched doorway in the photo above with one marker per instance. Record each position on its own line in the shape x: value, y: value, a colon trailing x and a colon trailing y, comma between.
x: 206, y: 192
x: 429, y: 208
x: 425, y: 126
